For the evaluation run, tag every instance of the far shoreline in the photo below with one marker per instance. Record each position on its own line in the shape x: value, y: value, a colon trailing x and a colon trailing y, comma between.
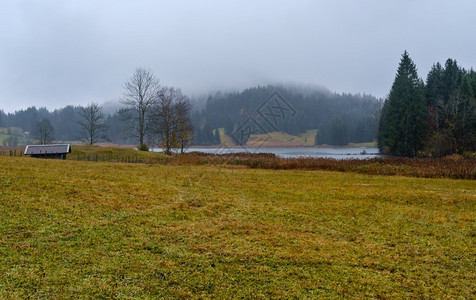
x: 284, y: 146
x: 224, y: 146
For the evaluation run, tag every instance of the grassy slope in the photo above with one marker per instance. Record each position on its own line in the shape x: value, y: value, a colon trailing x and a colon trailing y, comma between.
x: 113, y: 152
x: 273, y: 139
x: 83, y: 229
x: 14, y: 131
x: 2, y: 137
x: 281, y: 139
x: 226, y: 140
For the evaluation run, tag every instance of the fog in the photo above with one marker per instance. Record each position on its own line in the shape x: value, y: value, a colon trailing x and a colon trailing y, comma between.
x: 55, y: 53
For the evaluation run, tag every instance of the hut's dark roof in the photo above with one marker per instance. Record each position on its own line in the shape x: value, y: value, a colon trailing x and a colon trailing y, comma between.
x: 48, y: 149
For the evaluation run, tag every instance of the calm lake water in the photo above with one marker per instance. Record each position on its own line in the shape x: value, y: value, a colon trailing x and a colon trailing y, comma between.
x: 337, y: 153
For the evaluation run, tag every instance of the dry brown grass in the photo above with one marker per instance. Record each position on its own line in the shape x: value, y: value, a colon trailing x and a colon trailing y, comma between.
x: 455, y: 167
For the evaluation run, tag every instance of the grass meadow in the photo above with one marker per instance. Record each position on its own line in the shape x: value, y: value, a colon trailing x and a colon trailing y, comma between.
x: 76, y: 229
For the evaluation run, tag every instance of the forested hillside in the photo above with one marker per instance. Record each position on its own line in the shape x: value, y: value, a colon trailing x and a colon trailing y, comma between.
x: 64, y: 122
x: 339, y: 118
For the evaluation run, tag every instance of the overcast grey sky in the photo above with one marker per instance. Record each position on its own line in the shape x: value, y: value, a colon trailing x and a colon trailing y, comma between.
x: 55, y: 53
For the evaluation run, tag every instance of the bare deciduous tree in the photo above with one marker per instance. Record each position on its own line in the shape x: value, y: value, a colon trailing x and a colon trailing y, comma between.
x: 92, y: 123
x: 184, y: 124
x: 44, y: 132
x: 165, y: 120
x: 172, y: 122
x: 141, y: 94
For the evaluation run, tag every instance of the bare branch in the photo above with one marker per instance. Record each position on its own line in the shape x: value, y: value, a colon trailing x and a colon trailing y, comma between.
x: 92, y: 123
x: 171, y: 120
x: 44, y: 132
x: 141, y: 94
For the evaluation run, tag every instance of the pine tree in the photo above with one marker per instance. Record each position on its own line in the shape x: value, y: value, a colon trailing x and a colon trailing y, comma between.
x: 433, y: 88
x: 207, y: 135
x: 403, y: 123
x: 451, y: 96
x: 217, y: 139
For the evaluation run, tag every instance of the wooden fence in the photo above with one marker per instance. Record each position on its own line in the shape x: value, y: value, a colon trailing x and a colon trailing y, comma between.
x: 86, y: 157
x: 110, y: 158
x: 11, y: 152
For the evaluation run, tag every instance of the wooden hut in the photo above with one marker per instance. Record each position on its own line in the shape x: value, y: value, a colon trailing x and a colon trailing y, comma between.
x: 57, y: 151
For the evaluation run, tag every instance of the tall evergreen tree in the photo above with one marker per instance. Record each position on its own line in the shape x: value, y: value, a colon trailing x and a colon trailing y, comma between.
x: 451, y: 96
x: 433, y: 88
x: 403, y: 123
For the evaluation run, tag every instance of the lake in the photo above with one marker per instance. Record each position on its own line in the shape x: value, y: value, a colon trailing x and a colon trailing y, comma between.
x: 337, y: 153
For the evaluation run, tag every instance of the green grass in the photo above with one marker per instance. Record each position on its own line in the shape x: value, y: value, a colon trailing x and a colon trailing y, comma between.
x: 82, y: 152
x: 73, y: 229
x: 14, y: 131
x: 2, y: 137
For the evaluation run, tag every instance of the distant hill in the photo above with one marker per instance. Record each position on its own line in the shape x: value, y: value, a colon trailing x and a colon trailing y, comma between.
x: 277, y: 115
x: 337, y: 118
